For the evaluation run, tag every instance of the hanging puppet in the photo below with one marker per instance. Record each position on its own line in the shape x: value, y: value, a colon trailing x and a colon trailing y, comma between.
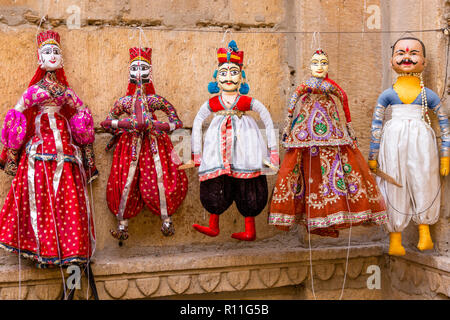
x: 234, y: 156
x: 405, y: 147
x: 47, y: 140
x: 143, y: 171
x: 324, y: 182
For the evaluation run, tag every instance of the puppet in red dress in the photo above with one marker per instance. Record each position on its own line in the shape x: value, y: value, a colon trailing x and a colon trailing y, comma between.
x: 144, y: 169
x: 324, y: 181
x: 47, y: 141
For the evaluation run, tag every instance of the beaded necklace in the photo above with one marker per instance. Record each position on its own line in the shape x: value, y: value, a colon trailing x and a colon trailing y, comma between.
x: 423, y: 94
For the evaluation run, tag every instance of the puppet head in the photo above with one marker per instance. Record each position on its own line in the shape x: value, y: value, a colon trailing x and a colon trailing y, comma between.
x: 49, y: 57
x: 140, y: 70
x: 319, y: 64
x: 49, y: 51
x: 408, y: 55
x: 229, y: 73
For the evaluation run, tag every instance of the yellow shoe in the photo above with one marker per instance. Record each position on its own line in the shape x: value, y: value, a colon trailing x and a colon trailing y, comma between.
x: 425, y: 242
x: 395, y: 244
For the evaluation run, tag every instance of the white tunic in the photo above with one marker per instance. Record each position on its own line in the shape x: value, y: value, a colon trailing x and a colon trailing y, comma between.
x: 248, y: 151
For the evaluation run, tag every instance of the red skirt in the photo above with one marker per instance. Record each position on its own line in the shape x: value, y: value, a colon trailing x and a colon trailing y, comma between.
x: 143, y: 189
x: 326, y: 188
x: 62, y: 226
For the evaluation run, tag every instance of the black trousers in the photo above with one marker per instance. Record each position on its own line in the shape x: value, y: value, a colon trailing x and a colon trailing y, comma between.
x: 250, y: 195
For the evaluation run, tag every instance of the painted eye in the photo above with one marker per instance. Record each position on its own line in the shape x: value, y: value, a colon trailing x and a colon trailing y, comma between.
x: 223, y: 73
x: 234, y: 73
x: 56, y: 51
x: 144, y: 68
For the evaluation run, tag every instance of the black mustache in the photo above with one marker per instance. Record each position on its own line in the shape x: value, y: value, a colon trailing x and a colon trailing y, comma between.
x: 222, y: 82
x: 406, y: 61
x: 144, y: 76
x: 133, y: 79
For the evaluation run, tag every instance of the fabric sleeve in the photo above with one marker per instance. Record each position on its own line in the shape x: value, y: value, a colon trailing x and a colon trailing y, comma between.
x: 377, y: 125
x: 435, y: 105
x: 159, y: 103
x: 82, y: 122
x: 15, y: 125
x: 342, y: 96
x: 268, y: 123
x: 114, y: 114
x: 202, y: 114
x: 299, y: 91
x: 73, y: 100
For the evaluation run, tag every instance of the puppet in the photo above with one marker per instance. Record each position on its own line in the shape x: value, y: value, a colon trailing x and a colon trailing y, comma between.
x: 47, y: 140
x: 324, y: 182
x: 405, y: 147
x: 234, y: 156
x: 144, y: 170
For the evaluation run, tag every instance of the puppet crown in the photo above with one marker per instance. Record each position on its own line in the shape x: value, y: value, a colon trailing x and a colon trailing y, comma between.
x: 230, y: 54
x: 144, y: 54
x: 48, y: 37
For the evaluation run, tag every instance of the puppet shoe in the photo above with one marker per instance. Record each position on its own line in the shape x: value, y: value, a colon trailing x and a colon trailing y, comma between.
x: 250, y: 233
x: 395, y: 244
x: 213, y: 229
x: 167, y: 227
x: 425, y: 242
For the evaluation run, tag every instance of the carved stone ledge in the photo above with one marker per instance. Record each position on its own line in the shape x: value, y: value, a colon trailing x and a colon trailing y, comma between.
x: 198, y: 272
x: 421, y: 275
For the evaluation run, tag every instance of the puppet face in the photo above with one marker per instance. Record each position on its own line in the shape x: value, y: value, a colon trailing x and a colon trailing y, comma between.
x: 319, y: 65
x: 50, y: 57
x: 229, y: 77
x: 140, y: 71
x: 408, y: 57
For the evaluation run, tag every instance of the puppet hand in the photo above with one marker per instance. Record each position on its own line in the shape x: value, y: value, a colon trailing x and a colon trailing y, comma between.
x: 373, y: 164
x: 12, y: 161
x: 445, y: 166
x: 274, y: 157
x: 352, y: 134
x: 197, y: 159
x: 161, y: 126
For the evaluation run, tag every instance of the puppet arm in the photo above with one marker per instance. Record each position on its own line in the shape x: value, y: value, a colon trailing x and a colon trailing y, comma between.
x: 299, y: 91
x: 377, y: 126
x: 159, y: 103
x: 202, y: 114
x: 14, y: 130
x: 268, y: 123
x: 434, y: 104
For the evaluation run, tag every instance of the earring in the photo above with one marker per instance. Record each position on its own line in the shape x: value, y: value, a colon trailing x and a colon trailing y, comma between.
x: 244, y: 87
x: 213, y: 86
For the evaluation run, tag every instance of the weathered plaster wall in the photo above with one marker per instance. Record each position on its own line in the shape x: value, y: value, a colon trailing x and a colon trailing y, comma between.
x: 184, y: 44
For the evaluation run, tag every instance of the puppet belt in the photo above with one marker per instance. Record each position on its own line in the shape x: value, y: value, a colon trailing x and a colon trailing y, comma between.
x: 238, y: 113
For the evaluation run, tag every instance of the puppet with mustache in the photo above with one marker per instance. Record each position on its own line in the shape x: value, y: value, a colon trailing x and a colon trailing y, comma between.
x: 232, y: 159
x: 406, y: 149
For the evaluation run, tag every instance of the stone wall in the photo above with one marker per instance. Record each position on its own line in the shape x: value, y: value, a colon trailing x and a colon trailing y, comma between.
x: 184, y: 36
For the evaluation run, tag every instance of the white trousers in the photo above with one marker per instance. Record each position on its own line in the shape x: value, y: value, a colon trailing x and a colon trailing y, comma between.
x: 409, y: 154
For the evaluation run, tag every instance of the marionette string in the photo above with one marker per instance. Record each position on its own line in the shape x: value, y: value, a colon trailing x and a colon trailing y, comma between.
x: 235, y: 31
x: 349, y: 231
x: 19, y: 245
x: 414, y: 213
x: 308, y: 229
x: 54, y: 224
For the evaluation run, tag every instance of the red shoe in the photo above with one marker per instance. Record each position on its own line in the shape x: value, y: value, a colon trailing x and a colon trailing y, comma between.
x: 213, y: 229
x: 250, y: 232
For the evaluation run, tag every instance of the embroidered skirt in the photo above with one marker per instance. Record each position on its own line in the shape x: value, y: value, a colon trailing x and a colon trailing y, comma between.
x: 326, y: 188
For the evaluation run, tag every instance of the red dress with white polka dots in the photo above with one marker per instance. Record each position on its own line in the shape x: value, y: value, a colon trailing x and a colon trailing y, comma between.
x: 46, y: 215
x: 155, y: 181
